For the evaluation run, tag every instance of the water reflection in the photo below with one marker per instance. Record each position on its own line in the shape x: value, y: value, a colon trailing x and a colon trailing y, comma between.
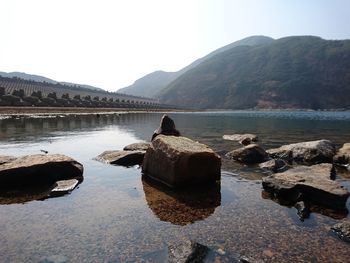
x: 184, y: 206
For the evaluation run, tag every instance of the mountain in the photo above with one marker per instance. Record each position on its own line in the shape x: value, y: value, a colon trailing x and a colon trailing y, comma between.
x: 293, y: 72
x: 153, y: 83
x: 38, y: 78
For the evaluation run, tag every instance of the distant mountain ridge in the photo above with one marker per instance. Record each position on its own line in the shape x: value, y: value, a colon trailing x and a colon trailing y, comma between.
x: 152, y: 84
x: 303, y: 72
x: 38, y: 78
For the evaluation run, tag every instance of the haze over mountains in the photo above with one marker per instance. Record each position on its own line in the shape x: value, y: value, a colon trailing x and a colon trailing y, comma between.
x: 302, y: 72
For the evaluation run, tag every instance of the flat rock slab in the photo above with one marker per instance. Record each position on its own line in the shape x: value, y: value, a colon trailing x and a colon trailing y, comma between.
x: 39, y: 168
x: 275, y: 165
x: 342, y: 229
x: 312, y: 182
x: 179, y: 161
x: 139, y: 146
x: 250, y: 154
x: 64, y: 186
x: 343, y: 155
x: 124, y: 158
x: 244, y: 139
x: 312, y: 152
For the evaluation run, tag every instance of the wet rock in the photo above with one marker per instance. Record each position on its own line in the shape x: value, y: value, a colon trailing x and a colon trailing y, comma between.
x: 63, y: 187
x: 311, y: 152
x: 342, y: 229
x: 39, y: 168
x: 179, y: 161
x: 125, y: 158
x: 275, y: 165
x: 166, y: 127
x: 343, y: 155
x: 250, y: 154
x: 189, y: 251
x: 139, y: 146
x: 312, y: 182
x: 303, y: 210
x: 244, y: 139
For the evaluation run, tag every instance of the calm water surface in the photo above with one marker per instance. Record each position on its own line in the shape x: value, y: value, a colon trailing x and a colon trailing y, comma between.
x: 116, y: 216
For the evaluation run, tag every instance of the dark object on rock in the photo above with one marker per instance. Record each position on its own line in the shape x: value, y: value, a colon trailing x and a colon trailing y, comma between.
x: 311, y: 152
x: 275, y: 165
x: 167, y: 127
x: 39, y: 168
x: 139, y: 146
x: 313, y: 182
x: 343, y: 155
x: 250, y: 154
x: 179, y: 161
x: 63, y: 187
x: 181, y: 206
x: 244, y: 139
x: 125, y: 158
x: 342, y: 229
x: 303, y: 210
x: 44, y: 151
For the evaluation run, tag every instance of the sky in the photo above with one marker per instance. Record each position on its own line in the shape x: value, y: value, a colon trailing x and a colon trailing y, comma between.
x: 111, y: 43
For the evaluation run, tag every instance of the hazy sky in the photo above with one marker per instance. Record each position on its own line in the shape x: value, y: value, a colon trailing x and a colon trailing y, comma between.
x: 110, y: 44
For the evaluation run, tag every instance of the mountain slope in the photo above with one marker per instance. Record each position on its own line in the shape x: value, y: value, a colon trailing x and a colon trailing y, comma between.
x: 38, y: 78
x: 292, y: 72
x: 152, y: 84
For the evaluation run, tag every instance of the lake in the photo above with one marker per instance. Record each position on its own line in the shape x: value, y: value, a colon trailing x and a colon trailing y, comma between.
x: 116, y: 216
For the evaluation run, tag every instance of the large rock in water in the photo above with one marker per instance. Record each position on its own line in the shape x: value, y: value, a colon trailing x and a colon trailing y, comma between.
x: 313, y: 183
x: 125, y: 158
x: 39, y: 168
x: 166, y: 127
x: 179, y: 161
x: 252, y: 153
x: 311, y: 152
x: 343, y: 155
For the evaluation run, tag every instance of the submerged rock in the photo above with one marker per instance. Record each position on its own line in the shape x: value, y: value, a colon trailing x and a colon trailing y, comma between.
x: 342, y: 229
x: 275, y: 165
x: 311, y: 152
x: 179, y: 161
x: 303, y: 210
x: 343, y: 155
x: 312, y: 182
x: 166, y: 127
x: 39, y: 168
x: 125, y: 158
x: 250, y: 154
x: 189, y: 251
x: 243, y: 139
x: 139, y: 146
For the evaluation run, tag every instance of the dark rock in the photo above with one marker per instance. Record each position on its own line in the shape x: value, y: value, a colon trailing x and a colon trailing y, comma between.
x: 311, y: 152
x: 275, y: 165
x: 167, y: 127
x: 39, y: 168
x: 244, y: 139
x: 343, y: 155
x: 139, y: 146
x: 303, y: 210
x: 342, y: 229
x: 179, y: 161
x: 125, y: 158
x: 313, y: 182
x: 252, y: 153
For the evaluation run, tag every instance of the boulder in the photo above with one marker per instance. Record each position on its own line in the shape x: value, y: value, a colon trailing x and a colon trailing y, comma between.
x: 139, y: 146
x: 313, y: 183
x: 39, y: 168
x: 343, y: 155
x: 243, y: 139
x: 166, y: 127
x: 125, y: 158
x: 249, y: 154
x: 179, y: 161
x: 342, y: 229
x: 275, y: 165
x: 311, y: 152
